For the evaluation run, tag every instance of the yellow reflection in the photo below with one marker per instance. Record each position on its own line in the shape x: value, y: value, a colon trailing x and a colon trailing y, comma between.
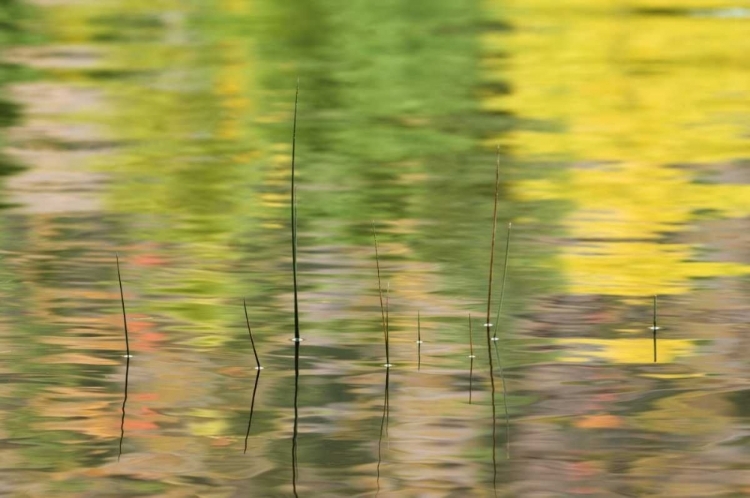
x: 634, y: 269
x: 625, y: 91
x: 674, y: 376
x: 582, y: 350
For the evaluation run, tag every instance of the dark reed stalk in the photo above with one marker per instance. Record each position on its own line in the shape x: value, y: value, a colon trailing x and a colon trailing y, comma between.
x: 124, y: 402
x: 471, y: 358
x: 382, y: 305
x: 257, y: 376
x: 419, y: 341
x: 488, y: 324
x: 296, y: 418
x: 127, y: 359
x: 252, y: 408
x: 252, y: 341
x: 293, y: 207
x: 383, y: 425
x: 297, y: 338
x: 122, y: 300
x: 654, y: 328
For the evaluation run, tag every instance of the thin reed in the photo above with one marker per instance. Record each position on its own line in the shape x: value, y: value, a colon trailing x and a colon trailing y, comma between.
x: 383, y: 426
x: 295, y: 429
x: 293, y: 208
x: 297, y: 338
x: 471, y: 358
x: 495, y: 340
x: 502, y: 287
x: 252, y: 409
x: 383, y: 309
x: 252, y: 341
x: 488, y: 324
x: 122, y: 300
x: 258, y: 367
x: 419, y: 341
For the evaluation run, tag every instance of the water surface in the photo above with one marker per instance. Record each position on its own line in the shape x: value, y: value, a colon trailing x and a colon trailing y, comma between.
x: 161, y: 131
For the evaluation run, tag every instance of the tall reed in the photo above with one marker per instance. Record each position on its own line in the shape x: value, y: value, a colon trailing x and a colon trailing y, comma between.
x: 495, y: 340
x: 297, y: 338
x: 488, y: 324
x: 293, y: 209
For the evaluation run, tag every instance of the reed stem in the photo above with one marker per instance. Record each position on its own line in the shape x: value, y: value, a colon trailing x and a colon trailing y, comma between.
x: 419, y: 341
x: 293, y: 206
x: 488, y: 324
x: 471, y: 359
x: 252, y: 341
x: 122, y: 300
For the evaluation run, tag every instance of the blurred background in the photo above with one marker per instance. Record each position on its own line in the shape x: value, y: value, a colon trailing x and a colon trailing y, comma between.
x: 161, y: 130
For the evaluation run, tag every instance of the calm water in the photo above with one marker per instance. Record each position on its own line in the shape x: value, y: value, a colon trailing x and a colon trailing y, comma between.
x: 160, y: 131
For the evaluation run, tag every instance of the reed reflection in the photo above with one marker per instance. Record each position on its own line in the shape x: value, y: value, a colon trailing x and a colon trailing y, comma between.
x: 383, y: 424
x: 127, y: 359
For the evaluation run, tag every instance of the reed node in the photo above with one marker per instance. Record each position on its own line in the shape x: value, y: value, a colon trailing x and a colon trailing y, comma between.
x: 471, y: 359
x: 419, y: 341
x: 654, y: 327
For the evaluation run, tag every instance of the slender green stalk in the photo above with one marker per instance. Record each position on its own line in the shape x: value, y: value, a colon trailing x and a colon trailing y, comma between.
x: 293, y: 206
x: 502, y: 286
x: 495, y: 340
x: 488, y: 324
x: 380, y: 294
